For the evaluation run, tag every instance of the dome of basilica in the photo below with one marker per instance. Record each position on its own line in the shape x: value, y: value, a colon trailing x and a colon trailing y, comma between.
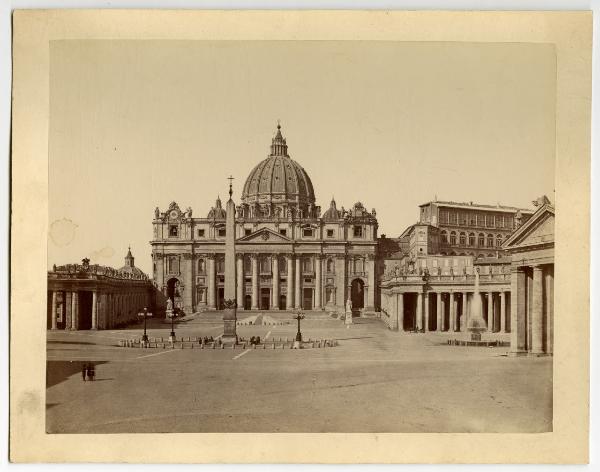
x: 278, y: 179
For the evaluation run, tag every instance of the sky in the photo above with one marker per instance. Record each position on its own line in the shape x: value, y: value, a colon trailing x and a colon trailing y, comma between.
x: 138, y: 124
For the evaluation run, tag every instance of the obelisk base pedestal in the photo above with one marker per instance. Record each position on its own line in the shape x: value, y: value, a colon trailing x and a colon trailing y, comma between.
x: 229, y: 326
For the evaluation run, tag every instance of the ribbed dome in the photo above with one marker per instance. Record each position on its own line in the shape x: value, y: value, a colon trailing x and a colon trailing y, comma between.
x: 278, y: 178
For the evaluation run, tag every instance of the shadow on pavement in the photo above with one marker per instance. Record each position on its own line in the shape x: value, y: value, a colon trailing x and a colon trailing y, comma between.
x: 59, y: 371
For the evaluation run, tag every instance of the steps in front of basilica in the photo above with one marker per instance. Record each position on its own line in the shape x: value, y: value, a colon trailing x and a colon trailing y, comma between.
x: 258, y: 315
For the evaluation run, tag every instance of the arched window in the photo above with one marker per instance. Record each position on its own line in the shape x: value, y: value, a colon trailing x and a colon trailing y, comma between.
x: 453, y: 238
x: 481, y: 240
x: 444, y: 237
x: 201, y: 266
x: 490, y: 240
x: 471, y: 239
x: 462, y: 239
x: 498, y: 240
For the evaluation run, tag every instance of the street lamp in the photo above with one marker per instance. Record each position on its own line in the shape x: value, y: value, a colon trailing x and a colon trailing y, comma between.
x: 144, y: 314
x: 171, y: 314
x: 299, y: 316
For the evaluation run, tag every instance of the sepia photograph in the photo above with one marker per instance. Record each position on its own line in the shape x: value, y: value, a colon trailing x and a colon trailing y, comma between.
x: 255, y: 230
x: 300, y: 237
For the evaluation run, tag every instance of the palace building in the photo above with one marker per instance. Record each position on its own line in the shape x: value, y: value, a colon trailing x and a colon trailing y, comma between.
x: 289, y: 255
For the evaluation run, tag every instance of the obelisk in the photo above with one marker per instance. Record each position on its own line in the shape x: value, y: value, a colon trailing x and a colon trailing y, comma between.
x: 230, y: 305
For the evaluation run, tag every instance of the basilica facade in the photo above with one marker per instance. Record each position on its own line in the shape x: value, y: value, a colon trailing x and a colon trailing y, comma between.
x: 288, y: 255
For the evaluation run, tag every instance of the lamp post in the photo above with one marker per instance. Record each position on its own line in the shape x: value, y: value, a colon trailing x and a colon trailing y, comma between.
x: 171, y: 314
x: 298, y: 317
x: 144, y: 314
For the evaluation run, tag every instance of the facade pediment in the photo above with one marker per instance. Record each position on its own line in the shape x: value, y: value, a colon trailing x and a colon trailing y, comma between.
x: 265, y: 235
x: 538, y: 230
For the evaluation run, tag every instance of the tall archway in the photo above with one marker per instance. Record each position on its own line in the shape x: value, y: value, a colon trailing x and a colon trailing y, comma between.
x: 174, y: 293
x: 357, y: 294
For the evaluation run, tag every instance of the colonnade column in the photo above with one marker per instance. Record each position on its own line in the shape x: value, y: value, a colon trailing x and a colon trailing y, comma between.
x: 289, y: 299
x: 537, y: 325
x: 75, y: 310
x: 297, y: 300
x: 419, y: 311
x: 254, y: 259
x: 518, y: 296
x: 400, y: 303
x: 452, y: 314
x: 239, y: 292
x: 275, y: 278
x: 490, y: 311
x: 426, y: 310
x: 502, y: 312
x: 53, y: 314
x: 318, y: 282
x: 438, y: 309
x: 94, y: 310
x: 465, y: 312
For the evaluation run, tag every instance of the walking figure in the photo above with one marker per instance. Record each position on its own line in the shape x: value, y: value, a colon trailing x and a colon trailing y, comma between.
x: 91, y: 372
x: 84, y: 369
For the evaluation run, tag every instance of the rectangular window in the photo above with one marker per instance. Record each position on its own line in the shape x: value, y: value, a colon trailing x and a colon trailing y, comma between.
x: 358, y: 232
x: 173, y: 231
x: 307, y: 232
x: 283, y: 232
x: 247, y: 231
x: 222, y: 232
x: 330, y: 233
x: 200, y: 233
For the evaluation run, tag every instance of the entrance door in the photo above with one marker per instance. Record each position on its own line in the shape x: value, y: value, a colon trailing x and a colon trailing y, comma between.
x: 247, y: 302
x: 307, y: 299
x: 221, y: 300
x: 265, y: 298
x: 357, y: 294
x: 282, y: 302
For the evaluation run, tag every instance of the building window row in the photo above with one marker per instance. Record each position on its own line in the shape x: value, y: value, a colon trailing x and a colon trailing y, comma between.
x: 465, y: 239
x: 476, y: 219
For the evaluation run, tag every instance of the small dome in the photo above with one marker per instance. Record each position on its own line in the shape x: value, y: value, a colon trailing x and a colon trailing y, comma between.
x: 278, y: 177
x: 217, y: 212
x: 332, y: 213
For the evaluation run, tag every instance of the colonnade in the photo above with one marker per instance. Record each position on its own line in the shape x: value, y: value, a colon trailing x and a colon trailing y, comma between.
x: 96, y: 308
x: 439, y: 310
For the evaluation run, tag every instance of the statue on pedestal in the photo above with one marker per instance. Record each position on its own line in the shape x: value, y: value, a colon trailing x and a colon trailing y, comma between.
x: 348, y: 318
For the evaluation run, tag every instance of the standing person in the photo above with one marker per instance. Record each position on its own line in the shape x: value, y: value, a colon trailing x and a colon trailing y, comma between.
x: 84, y: 371
x: 91, y: 373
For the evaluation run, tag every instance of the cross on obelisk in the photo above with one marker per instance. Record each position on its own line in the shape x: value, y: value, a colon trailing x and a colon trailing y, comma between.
x: 230, y: 312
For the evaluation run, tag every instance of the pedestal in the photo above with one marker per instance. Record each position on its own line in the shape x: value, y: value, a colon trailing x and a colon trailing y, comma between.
x: 229, y: 326
x: 348, y: 318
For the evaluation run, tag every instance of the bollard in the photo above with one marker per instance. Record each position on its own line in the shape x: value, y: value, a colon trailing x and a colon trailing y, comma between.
x: 273, y: 345
x: 222, y: 346
x: 264, y: 346
x: 286, y: 339
x: 201, y: 346
x: 192, y: 346
x: 312, y: 345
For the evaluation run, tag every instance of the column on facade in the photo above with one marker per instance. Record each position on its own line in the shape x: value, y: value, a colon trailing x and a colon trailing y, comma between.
x: 549, y: 290
x: 188, y: 294
x: 400, y: 304
x: 275, y: 285
x: 419, y: 311
x: 212, y: 298
x: 502, y: 312
x: 254, y: 260
x: 537, y: 313
x: 289, y: 299
x: 297, y: 273
x: 490, y: 311
x: 426, y: 311
x: 438, y: 309
x: 452, y: 312
x: 340, y: 281
x: 68, y: 309
x: 239, y: 275
x: 94, y: 310
x: 75, y: 311
x: 53, y: 318
x: 370, y: 305
x: 318, y: 282
x: 518, y: 315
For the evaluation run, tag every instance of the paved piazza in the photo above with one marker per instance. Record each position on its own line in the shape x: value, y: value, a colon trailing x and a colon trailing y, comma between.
x: 375, y: 380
